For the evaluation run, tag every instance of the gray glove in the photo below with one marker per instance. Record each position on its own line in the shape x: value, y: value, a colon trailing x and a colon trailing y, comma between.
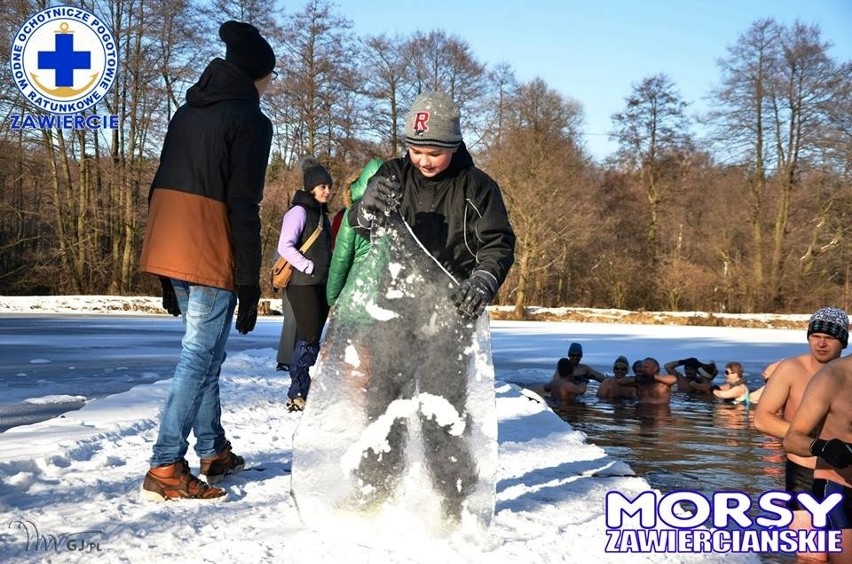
x: 380, y: 199
x: 473, y: 295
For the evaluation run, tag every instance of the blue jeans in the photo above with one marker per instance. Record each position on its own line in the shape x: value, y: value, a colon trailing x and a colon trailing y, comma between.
x: 193, y: 401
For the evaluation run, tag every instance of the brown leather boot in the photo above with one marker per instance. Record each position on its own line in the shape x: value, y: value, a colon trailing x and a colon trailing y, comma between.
x: 176, y: 482
x: 214, y: 469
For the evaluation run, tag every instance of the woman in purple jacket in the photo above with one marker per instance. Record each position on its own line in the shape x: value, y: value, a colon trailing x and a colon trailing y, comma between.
x: 306, y: 290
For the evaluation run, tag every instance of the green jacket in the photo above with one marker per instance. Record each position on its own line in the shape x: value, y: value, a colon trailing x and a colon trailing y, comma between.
x: 349, y: 247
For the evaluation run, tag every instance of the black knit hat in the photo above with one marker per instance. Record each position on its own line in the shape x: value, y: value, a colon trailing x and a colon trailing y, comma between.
x: 313, y: 174
x: 830, y: 321
x: 247, y: 49
x: 692, y: 363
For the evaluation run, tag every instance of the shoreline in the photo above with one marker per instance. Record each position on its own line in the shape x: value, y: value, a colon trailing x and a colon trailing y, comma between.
x: 270, y: 307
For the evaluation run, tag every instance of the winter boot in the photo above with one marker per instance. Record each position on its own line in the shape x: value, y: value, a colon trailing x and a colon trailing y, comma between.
x: 295, y: 404
x: 214, y: 469
x: 176, y: 482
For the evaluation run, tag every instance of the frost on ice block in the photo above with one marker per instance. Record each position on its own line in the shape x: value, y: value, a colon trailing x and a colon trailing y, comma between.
x: 400, y: 423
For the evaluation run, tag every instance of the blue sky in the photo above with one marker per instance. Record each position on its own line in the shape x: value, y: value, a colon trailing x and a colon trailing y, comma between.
x: 594, y: 51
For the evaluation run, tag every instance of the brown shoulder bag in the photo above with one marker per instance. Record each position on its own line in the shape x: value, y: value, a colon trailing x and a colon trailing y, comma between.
x: 282, y: 270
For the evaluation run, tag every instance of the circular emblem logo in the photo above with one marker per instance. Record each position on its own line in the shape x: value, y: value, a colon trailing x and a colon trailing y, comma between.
x: 64, y: 60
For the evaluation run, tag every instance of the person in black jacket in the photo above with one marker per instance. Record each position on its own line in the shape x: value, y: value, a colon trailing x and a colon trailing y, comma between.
x: 457, y: 213
x: 455, y: 209
x: 203, y: 243
x: 306, y: 290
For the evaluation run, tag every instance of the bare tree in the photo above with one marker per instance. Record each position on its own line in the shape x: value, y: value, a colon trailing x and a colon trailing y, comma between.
x: 540, y: 172
x: 386, y: 86
x: 806, y: 81
x: 741, y: 124
x: 652, y: 133
x: 317, y: 73
x: 778, y: 95
x: 503, y: 85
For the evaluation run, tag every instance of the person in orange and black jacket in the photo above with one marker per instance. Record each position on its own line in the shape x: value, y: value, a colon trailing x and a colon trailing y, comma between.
x: 306, y: 290
x: 203, y: 243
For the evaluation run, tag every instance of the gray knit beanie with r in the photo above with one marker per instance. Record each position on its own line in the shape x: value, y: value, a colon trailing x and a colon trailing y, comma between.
x: 433, y: 121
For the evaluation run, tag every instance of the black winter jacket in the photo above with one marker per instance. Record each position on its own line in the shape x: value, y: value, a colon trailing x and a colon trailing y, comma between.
x: 459, y: 216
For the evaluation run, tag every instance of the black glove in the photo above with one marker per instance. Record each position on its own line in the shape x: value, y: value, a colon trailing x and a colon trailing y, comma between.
x: 473, y: 294
x: 836, y: 452
x: 247, y: 298
x: 380, y: 199
x: 170, y: 303
x: 690, y: 362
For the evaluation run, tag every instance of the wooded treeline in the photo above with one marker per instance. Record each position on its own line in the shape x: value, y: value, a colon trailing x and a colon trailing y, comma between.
x: 751, y: 215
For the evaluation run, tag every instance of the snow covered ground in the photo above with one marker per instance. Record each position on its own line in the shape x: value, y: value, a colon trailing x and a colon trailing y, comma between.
x: 69, y: 486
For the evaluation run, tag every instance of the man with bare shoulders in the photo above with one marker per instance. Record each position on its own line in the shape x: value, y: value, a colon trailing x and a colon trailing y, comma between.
x: 651, y: 386
x: 609, y: 388
x: 565, y: 386
x: 697, y: 377
x: 828, y: 334
x: 575, y: 354
x: 827, y: 403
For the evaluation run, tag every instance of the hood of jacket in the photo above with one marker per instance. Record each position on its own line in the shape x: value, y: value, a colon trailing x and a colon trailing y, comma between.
x: 356, y: 191
x: 220, y: 81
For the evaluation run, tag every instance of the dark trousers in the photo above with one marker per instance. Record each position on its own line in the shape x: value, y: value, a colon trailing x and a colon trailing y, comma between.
x: 289, y: 334
x: 310, y: 309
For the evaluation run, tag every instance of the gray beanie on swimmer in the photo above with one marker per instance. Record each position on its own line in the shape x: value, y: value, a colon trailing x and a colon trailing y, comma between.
x: 313, y: 174
x: 247, y: 49
x: 433, y: 121
x: 621, y: 361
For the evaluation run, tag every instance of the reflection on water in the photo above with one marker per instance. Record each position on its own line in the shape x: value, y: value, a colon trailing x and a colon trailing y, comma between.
x: 693, y: 443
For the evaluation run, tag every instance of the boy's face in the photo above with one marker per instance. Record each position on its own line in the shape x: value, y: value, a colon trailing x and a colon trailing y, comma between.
x: 430, y: 161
